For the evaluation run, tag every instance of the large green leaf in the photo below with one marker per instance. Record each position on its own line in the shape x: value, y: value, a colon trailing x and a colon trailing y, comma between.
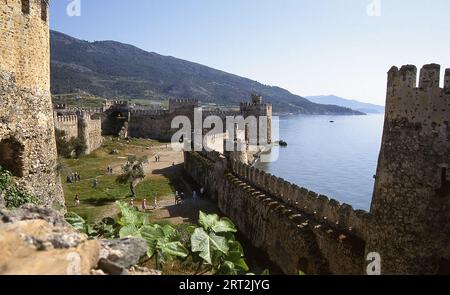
x: 174, y: 249
x: 224, y: 225
x: 130, y: 215
x: 207, y: 221
x: 212, y: 222
x: 130, y: 230
x: 151, y: 234
x: 206, y: 244
x: 76, y: 221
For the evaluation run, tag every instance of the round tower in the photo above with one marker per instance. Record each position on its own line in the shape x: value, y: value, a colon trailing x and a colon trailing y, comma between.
x: 27, y: 138
x: 411, y: 201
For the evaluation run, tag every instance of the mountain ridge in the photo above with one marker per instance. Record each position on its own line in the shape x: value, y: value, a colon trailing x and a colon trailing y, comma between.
x: 117, y: 70
x: 354, y: 104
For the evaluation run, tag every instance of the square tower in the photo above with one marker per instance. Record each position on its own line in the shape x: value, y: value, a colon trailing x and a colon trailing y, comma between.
x: 27, y: 136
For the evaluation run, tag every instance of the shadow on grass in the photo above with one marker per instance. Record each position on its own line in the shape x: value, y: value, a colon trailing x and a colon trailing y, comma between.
x: 100, y: 201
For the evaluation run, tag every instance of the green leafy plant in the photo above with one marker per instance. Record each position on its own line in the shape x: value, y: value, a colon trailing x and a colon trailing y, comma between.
x: 80, y: 224
x: 215, y: 243
x: 13, y: 195
x: 212, y: 245
x: 163, y: 241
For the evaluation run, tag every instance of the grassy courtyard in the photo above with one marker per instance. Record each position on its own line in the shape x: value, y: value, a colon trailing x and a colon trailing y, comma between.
x: 99, y: 202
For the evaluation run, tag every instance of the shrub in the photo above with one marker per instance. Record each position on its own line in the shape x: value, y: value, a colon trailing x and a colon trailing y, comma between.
x: 67, y: 148
x: 13, y: 195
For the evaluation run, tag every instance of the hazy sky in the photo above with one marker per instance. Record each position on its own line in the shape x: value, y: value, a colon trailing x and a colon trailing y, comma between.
x: 309, y: 47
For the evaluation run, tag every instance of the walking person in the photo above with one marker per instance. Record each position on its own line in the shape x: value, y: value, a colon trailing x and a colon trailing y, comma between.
x: 132, y: 202
x: 77, y: 200
x: 202, y: 192
x: 156, y: 202
x: 194, y: 196
x: 182, y: 197
x: 144, y: 205
x: 95, y: 183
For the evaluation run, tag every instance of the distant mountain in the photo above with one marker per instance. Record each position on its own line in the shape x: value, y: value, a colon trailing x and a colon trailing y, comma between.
x: 113, y: 69
x: 367, y: 108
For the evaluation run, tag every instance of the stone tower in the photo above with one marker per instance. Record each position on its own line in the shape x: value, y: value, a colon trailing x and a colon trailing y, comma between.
x: 257, y: 108
x: 411, y: 201
x: 27, y: 140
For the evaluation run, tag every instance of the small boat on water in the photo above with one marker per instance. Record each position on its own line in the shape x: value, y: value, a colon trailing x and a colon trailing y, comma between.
x: 282, y: 143
x: 331, y: 121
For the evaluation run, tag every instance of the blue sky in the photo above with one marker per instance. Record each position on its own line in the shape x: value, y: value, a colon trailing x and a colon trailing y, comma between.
x: 309, y: 47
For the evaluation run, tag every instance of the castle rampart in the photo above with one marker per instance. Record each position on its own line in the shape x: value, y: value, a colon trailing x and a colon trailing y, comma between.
x: 81, y: 125
x: 292, y: 237
x: 408, y: 221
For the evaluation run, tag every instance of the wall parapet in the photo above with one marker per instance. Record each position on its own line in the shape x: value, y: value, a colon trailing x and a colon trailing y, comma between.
x: 426, y: 103
x: 319, y: 206
x: 69, y: 119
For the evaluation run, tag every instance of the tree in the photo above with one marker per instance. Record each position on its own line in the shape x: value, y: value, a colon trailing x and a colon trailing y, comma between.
x: 132, y: 171
x: 62, y: 145
x: 67, y: 147
x: 79, y: 147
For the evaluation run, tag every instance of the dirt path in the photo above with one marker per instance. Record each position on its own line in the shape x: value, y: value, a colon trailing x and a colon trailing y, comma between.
x: 170, y: 166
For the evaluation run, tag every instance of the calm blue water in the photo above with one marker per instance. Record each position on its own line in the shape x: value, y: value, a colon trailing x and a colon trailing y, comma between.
x: 335, y: 159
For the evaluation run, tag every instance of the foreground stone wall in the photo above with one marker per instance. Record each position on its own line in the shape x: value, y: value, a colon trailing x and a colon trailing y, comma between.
x: 38, y: 241
x: 293, y: 238
x: 27, y: 139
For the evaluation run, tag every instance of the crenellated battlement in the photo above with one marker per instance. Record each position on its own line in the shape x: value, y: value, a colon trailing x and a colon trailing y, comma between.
x: 68, y: 119
x: 321, y: 207
x: 177, y: 104
x: 151, y: 113
x: 289, y: 223
x: 425, y: 103
x: 24, y: 39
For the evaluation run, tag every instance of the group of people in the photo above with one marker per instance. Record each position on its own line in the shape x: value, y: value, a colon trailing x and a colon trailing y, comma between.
x: 74, y: 177
x: 179, y: 198
x: 157, y: 158
x: 144, y: 206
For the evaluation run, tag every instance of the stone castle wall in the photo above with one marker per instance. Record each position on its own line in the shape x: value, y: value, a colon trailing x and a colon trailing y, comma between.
x: 293, y: 238
x: 81, y: 125
x: 411, y: 199
x: 409, y: 220
x: 27, y: 139
x: 90, y: 130
x: 68, y: 124
x: 25, y: 43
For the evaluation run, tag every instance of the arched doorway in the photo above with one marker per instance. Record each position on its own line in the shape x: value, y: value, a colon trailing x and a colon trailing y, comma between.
x: 11, y: 156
